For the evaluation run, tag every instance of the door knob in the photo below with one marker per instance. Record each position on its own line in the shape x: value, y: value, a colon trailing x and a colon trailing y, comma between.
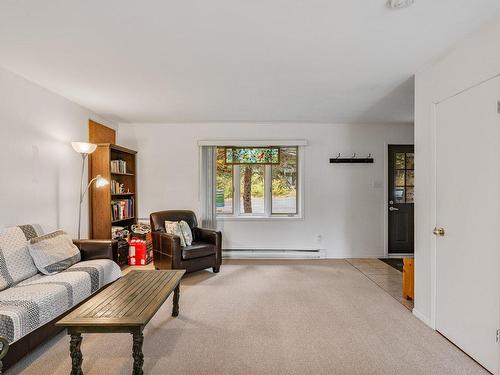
x: 438, y: 231
x: 393, y: 209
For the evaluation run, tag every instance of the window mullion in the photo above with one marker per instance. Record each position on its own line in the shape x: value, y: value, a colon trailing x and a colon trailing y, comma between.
x: 267, y: 190
x: 236, y: 190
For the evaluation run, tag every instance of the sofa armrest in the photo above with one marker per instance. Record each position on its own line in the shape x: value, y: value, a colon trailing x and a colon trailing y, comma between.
x: 97, y: 249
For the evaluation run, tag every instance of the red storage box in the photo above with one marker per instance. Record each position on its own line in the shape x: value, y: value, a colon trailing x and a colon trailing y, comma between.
x: 149, y: 244
x: 136, y: 252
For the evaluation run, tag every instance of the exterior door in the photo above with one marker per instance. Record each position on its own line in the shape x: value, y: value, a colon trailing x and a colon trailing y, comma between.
x: 401, y: 190
x: 468, y: 221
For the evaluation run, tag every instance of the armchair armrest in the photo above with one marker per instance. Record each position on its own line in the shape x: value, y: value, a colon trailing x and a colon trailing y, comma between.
x: 166, y: 243
x: 209, y: 236
x: 97, y: 249
x: 212, y: 237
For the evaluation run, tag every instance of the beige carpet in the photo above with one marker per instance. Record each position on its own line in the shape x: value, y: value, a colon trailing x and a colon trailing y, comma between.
x: 271, y: 317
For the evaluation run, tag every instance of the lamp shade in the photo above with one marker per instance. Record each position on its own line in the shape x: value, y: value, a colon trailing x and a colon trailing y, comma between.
x: 100, y: 181
x: 83, y: 147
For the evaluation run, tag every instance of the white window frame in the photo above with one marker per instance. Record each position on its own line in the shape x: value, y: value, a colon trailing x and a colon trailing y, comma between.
x: 267, y: 215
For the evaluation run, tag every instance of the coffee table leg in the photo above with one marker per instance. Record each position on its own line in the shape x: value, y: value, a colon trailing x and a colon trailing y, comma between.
x: 175, y: 309
x: 138, y: 338
x: 76, y: 353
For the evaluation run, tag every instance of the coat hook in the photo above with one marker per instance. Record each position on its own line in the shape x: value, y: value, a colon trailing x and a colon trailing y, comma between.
x: 354, y: 155
x: 369, y: 155
x: 338, y: 156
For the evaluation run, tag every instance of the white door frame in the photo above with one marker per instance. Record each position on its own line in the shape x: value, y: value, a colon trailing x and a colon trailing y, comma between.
x: 433, y: 215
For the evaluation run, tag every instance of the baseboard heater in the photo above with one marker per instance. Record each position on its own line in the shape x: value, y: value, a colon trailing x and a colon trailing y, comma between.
x: 274, y: 254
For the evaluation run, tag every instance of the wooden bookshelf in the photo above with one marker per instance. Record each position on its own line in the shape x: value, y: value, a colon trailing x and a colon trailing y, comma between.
x: 123, y: 220
x: 121, y: 174
x: 101, y: 219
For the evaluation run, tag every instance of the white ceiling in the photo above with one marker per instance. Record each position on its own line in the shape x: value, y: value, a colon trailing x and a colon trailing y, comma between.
x: 234, y: 60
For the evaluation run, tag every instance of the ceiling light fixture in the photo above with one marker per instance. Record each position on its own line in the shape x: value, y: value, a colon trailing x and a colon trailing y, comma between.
x: 399, y: 4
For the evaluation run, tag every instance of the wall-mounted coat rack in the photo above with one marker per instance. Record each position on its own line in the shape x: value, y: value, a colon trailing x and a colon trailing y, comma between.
x: 352, y: 159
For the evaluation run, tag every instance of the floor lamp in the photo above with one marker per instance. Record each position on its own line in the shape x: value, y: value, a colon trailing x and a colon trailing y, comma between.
x: 85, y: 149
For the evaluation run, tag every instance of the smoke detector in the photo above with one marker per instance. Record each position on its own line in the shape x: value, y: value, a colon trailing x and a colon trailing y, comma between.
x: 399, y: 4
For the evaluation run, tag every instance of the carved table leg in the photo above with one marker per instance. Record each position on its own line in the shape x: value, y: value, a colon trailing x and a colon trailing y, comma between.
x: 138, y: 338
x: 76, y: 353
x: 175, y: 309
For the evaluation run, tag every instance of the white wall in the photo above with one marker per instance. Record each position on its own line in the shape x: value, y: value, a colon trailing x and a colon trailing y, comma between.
x: 343, y: 203
x: 39, y: 171
x: 474, y: 60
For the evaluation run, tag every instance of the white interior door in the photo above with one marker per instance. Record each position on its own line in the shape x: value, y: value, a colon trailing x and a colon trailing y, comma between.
x: 468, y: 209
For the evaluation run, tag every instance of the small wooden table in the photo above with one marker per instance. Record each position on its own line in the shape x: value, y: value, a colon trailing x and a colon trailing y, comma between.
x: 408, y: 283
x: 125, y: 306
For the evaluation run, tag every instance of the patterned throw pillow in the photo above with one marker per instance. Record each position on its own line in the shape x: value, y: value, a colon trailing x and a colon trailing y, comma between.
x: 186, y: 232
x: 16, y: 263
x: 53, y: 252
x: 173, y: 227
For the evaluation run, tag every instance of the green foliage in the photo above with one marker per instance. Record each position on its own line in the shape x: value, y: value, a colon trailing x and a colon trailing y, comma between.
x: 252, y: 155
x: 284, y: 176
x: 225, y: 181
x: 282, y: 188
x: 224, y: 177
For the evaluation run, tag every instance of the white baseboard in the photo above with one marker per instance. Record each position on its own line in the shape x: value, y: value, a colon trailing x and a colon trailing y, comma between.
x: 422, y: 317
x: 273, y: 254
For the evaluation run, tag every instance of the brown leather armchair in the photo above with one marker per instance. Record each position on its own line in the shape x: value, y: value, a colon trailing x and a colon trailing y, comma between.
x: 205, y: 251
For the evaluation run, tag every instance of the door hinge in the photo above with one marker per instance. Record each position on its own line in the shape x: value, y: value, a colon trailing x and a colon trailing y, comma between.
x: 498, y: 335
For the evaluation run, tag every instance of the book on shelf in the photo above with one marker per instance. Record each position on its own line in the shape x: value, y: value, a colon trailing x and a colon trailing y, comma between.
x: 122, y: 209
x: 118, y: 166
x: 117, y: 188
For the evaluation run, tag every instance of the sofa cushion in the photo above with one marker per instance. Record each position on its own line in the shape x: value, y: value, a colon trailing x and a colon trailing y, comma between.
x: 40, y: 299
x: 53, y: 252
x: 16, y: 263
x: 197, y: 250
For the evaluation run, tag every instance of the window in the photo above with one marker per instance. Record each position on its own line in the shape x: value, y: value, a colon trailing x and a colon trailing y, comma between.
x: 224, y: 185
x: 284, y: 182
x: 252, y: 189
x: 404, y: 176
x: 257, y: 181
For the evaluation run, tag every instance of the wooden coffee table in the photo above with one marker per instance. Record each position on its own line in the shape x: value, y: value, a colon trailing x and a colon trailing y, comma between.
x: 125, y: 306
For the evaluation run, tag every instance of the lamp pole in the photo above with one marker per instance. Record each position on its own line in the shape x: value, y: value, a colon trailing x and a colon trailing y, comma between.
x: 85, y: 149
x: 84, y: 156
